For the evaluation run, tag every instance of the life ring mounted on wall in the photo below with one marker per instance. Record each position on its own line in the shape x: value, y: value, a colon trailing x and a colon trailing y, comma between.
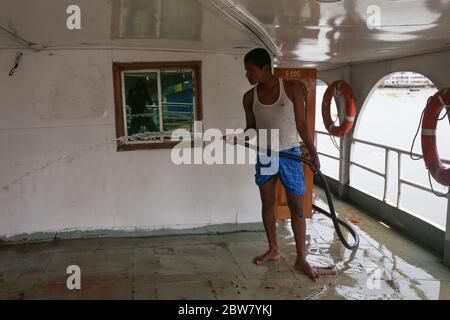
x: 336, y: 89
x: 430, y: 152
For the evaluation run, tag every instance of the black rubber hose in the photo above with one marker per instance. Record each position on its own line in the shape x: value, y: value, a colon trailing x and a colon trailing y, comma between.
x: 332, y: 213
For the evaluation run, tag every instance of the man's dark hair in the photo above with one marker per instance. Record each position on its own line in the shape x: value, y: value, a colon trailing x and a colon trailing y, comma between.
x: 260, y: 58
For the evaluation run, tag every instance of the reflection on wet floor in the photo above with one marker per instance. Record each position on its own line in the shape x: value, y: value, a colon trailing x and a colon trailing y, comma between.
x: 219, y: 266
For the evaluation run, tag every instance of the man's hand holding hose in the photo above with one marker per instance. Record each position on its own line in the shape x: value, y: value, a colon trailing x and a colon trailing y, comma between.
x: 315, y: 160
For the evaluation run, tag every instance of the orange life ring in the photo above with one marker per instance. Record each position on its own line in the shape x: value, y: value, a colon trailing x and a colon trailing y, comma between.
x: 334, y: 90
x: 430, y: 153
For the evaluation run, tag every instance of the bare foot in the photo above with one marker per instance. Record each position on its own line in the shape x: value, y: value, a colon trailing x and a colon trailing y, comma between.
x: 270, y: 255
x: 306, y: 268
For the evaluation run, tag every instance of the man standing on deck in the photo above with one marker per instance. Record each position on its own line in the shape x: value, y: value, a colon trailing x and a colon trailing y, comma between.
x: 275, y: 103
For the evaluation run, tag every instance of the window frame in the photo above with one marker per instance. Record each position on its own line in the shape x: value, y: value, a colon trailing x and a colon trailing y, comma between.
x: 120, y: 67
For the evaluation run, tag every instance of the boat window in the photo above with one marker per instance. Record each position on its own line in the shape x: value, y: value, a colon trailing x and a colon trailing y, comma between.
x: 153, y: 100
x: 389, y: 119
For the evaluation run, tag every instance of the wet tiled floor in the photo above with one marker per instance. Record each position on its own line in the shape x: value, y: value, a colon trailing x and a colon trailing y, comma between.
x: 386, y: 266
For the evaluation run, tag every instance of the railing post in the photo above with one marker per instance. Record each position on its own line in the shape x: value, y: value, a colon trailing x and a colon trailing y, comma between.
x: 399, y: 178
x: 386, y: 173
x: 344, y: 164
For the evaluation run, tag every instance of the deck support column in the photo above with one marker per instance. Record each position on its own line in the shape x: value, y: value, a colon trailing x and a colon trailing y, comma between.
x: 447, y: 236
x: 447, y: 230
x: 345, y: 147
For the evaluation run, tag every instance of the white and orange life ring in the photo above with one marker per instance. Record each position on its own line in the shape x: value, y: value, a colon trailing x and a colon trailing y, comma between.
x: 334, y: 90
x: 430, y: 153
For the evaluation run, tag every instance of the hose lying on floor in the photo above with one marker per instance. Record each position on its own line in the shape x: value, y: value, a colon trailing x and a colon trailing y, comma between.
x: 332, y: 214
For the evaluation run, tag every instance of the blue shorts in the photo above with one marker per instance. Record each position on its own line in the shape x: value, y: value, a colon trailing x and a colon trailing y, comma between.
x: 290, y: 172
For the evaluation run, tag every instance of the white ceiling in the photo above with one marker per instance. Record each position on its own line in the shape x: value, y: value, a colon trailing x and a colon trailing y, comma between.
x: 329, y: 34
x: 302, y: 32
x: 152, y: 24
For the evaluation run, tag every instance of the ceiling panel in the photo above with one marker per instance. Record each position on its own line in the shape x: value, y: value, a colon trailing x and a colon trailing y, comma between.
x: 158, y: 24
x: 348, y: 31
x: 307, y: 33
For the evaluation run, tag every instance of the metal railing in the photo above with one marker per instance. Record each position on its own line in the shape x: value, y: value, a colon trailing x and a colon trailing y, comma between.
x: 385, y: 175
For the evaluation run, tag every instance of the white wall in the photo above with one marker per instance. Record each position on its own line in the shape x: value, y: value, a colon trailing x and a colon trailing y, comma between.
x: 59, y: 166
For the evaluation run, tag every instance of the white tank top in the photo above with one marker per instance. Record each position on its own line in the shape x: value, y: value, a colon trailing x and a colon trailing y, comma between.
x: 279, y: 115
